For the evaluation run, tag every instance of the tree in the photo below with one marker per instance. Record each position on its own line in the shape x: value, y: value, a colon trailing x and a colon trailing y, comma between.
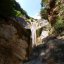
x: 6, y: 8
x: 20, y: 10
x: 54, y: 12
x: 12, y: 8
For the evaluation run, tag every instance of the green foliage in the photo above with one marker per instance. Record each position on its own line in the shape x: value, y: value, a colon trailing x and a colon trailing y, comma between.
x: 20, y: 11
x: 43, y: 13
x: 43, y: 2
x: 54, y: 12
x: 18, y: 14
x: 10, y: 8
x: 59, y: 25
x: 38, y: 32
x: 6, y: 7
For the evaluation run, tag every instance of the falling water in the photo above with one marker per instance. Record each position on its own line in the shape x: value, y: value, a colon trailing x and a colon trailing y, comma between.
x: 33, y: 26
x: 33, y: 36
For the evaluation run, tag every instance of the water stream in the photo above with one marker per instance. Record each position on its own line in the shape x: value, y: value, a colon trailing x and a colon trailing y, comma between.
x: 33, y: 35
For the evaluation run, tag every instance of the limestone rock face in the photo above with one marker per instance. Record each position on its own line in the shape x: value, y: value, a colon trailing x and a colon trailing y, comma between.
x: 14, y: 42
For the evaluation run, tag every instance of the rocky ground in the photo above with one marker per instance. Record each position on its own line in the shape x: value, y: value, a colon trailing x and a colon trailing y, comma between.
x: 52, y: 52
x: 37, y: 55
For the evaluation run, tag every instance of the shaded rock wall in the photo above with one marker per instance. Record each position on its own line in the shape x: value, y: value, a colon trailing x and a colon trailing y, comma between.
x: 15, y: 42
x: 54, y: 53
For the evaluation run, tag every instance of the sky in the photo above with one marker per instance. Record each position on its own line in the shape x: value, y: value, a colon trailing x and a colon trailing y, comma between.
x: 32, y: 7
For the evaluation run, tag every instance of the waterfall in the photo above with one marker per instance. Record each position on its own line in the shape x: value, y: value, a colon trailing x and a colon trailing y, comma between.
x: 33, y: 35
x: 35, y: 25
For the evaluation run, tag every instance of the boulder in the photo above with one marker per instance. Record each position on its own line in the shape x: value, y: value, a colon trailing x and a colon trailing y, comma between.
x: 54, y: 52
x: 15, y: 42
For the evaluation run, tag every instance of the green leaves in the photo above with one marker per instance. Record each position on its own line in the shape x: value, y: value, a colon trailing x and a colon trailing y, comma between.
x: 54, y: 12
x: 6, y: 7
x: 43, y: 13
x: 59, y: 25
x: 12, y: 8
x: 44, y: 2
